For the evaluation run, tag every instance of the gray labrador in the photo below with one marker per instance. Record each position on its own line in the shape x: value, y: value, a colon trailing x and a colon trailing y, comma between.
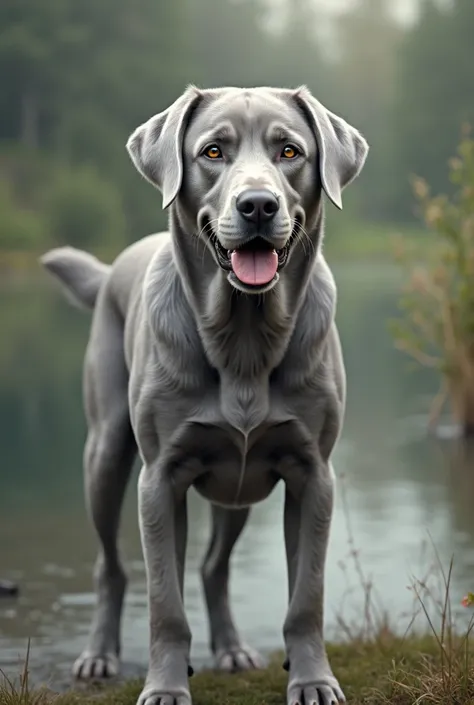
x: 213, y: 350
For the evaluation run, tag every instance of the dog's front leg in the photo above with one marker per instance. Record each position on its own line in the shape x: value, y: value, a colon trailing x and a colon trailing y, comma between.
x: 162, y: 526
x: 307, y: 523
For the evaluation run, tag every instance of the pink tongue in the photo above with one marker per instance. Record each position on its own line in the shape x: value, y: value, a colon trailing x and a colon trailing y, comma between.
x: 255, y: 267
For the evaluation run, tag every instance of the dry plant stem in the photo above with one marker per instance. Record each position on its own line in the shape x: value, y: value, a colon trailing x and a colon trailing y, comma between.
x: 437, y: 406
x: 437, y: 329
x: 375, y: 621
x: 418, y: 355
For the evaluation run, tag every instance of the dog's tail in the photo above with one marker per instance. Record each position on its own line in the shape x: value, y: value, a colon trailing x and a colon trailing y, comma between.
x: 80, y: 274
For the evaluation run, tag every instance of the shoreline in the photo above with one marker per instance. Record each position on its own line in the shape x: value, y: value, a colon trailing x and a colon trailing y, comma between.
x: 386, y: 670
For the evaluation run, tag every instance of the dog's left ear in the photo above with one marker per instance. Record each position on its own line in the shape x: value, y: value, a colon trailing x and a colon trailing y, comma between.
x: 156, y: 147
x: 342, y: 149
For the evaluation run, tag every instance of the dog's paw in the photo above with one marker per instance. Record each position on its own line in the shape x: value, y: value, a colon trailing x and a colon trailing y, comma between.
x: 238, y: 658
x: 91, y: 666
x: 321, y: 692
x: 152, y: 695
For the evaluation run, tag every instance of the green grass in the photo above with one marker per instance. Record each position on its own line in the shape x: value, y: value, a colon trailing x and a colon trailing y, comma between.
x: 387, y: 670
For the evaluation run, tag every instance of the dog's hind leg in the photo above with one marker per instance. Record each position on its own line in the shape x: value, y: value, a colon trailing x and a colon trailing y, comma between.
x: 108, y: 460
x: 230, y: 653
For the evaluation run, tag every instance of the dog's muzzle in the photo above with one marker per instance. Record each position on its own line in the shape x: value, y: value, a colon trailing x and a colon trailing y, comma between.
x: 255, y: 263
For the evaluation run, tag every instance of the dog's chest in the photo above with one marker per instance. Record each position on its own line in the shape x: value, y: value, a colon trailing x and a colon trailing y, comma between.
x: 225, y: 422
x: 234, y: 468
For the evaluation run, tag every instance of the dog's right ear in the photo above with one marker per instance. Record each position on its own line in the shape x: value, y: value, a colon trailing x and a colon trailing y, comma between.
x: 156, y: 147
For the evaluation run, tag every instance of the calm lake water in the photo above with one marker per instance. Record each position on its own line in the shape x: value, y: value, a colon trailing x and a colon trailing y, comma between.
x: 399, y: 492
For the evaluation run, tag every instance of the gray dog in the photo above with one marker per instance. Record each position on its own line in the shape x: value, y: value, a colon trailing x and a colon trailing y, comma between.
x: 213, y: 351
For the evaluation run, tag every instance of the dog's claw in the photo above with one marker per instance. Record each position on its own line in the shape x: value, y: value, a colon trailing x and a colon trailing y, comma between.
x: 240, y: 658
x: 91, y: 666
x: 152, y: 696
x: 316, y: 694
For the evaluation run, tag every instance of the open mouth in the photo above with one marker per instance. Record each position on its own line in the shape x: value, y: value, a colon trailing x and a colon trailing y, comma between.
x: 255, y: 263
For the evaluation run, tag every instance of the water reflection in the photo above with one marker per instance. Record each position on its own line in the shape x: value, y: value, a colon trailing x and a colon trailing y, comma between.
x: 402, y: 488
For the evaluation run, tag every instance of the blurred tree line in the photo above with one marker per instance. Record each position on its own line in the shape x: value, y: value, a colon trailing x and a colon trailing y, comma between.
x: 77, y: 77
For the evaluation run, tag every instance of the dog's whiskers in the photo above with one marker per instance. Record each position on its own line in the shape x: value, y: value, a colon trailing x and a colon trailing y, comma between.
x: 302, y: 236
x: 206, y: 227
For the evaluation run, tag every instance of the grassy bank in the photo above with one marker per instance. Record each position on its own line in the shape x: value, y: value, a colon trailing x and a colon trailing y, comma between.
x: 387, y: 670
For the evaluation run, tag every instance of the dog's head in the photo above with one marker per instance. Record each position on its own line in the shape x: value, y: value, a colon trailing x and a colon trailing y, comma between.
x: 248, y: 167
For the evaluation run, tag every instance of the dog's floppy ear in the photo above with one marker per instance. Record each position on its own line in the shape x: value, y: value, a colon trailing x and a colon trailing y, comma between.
x: 342, y: 149
x: 156, y: 146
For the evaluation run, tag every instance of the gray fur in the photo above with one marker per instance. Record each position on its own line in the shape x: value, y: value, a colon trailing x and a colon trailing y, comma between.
x: 223, y: 388
x: 80, y: 274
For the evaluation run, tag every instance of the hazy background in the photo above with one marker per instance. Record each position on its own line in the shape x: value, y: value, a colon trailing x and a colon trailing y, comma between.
x: 76, y: 77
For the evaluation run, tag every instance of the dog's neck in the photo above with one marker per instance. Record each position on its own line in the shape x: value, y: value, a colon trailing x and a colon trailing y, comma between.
x: 244, y: 336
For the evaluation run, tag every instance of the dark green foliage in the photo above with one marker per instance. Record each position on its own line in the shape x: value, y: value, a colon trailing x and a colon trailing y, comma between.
x: 83, y: 209
x: 434, y: 95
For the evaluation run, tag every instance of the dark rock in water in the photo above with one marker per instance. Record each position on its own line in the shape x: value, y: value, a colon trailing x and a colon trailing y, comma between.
x: 468, y: 431
x: 8, y: 589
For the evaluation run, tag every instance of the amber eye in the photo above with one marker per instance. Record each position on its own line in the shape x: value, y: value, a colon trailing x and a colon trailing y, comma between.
x: 213, y: 152
x: 289, y: 152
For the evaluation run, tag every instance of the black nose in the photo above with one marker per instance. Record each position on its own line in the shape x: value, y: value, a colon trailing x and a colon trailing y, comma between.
x: 257, y: 206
